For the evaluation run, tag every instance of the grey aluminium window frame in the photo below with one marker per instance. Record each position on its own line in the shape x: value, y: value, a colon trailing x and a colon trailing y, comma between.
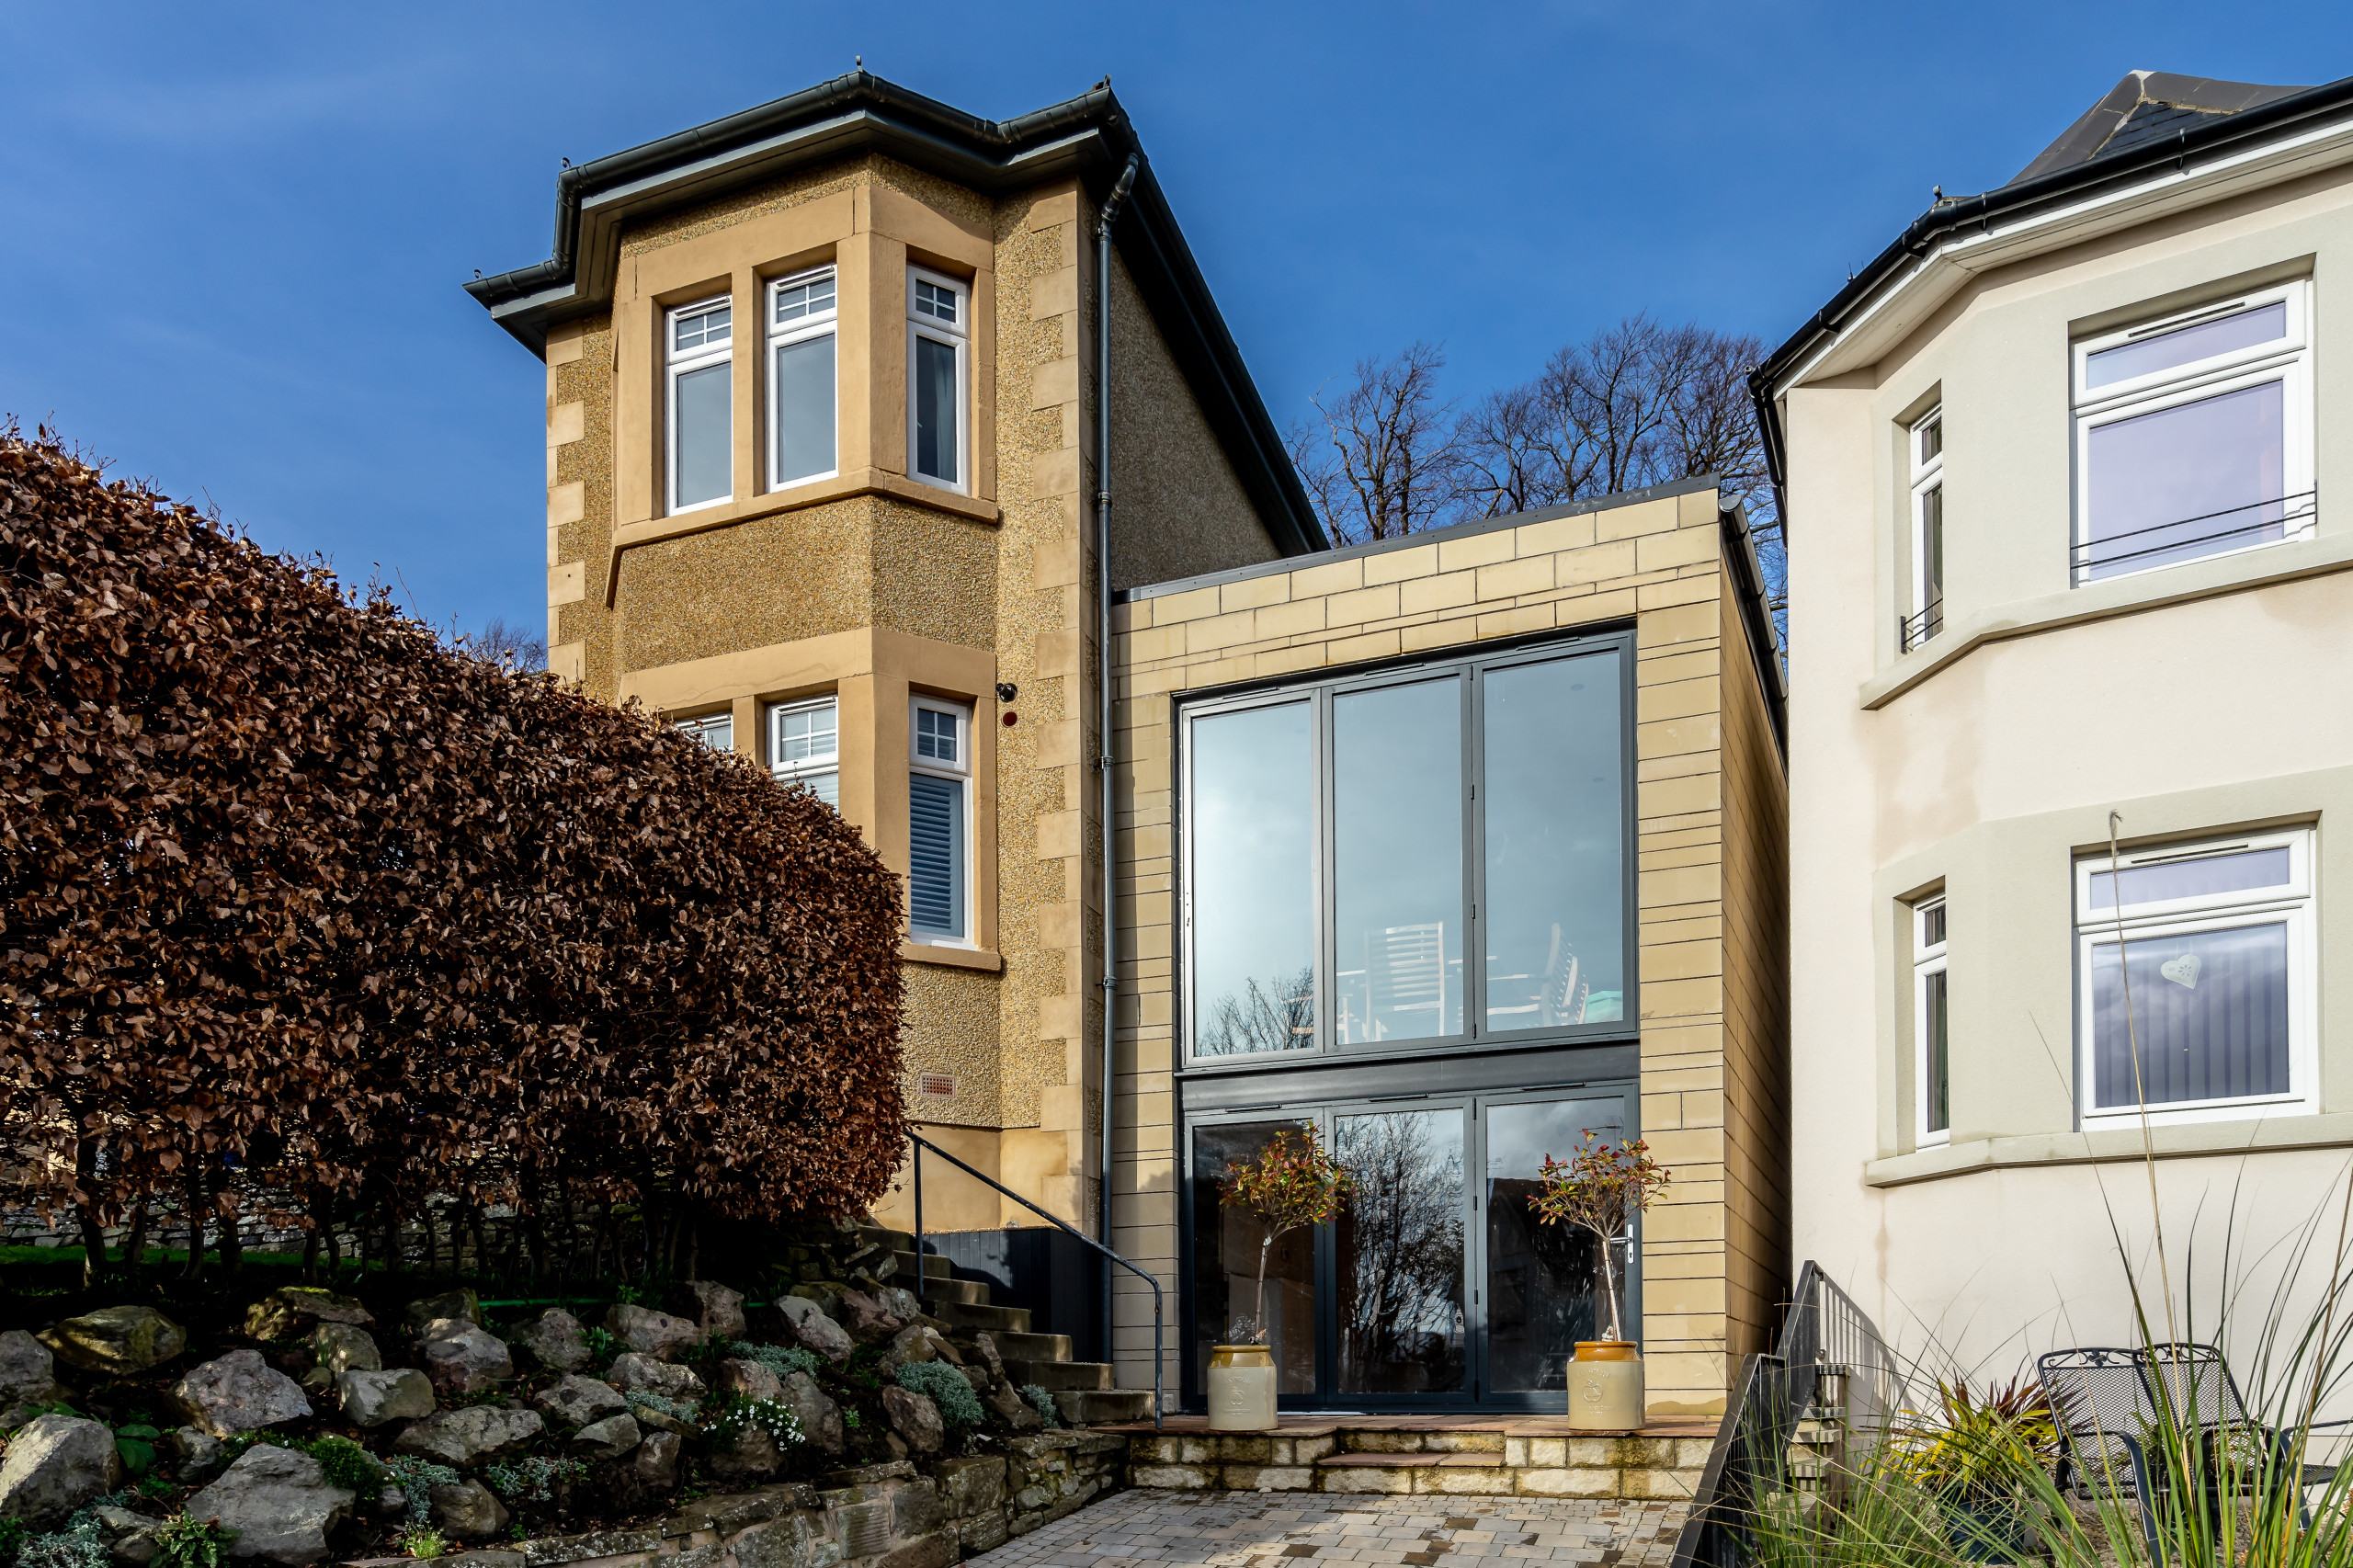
x: 1469, y: 667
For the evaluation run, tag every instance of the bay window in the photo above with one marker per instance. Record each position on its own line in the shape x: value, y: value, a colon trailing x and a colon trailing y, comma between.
x: 1436, y: 856
x: 699, y: 366
x: 802, y: 411
x: 939, y: 806
x: 2196, y: 968
x: 938, y: 327
x: 804, y: 747
x: 2193, y: 434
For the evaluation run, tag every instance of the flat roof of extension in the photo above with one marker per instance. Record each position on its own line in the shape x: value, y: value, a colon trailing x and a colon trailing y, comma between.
x: 1089, y: 138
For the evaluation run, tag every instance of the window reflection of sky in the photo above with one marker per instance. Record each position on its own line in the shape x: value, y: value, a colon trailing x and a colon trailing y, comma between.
x: 1397, y: 860
x: 1254, y: 915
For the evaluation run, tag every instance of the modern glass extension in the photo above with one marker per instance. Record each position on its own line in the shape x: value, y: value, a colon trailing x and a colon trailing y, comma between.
x: 1405, y: 913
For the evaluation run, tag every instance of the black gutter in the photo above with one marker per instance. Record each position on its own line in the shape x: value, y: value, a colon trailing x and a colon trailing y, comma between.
x: 2020, y: 198
x: 1089, y: 137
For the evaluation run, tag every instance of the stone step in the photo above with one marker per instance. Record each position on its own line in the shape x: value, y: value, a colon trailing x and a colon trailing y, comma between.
x: 1056, y: 1376
x: 1032, y: 1346
x: 934, y: 1264
x: 896, y: 1241
x: 1392, y: 1441
x: 1084, y: 1407
x: 965, y: 1292
x: 970, y: 1317
x: 1540, y: 1458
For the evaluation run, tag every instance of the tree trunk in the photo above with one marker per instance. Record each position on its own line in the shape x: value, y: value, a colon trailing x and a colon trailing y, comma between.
x: 233, y: 1240
x: 134, y: 1244
x: 86, y: 1210
x: 1609, y: 1289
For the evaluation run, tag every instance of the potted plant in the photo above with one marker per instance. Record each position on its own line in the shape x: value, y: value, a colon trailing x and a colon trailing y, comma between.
x: 1600, y: 1188
x: 1293, y: 1182
x: 1973, y: 1462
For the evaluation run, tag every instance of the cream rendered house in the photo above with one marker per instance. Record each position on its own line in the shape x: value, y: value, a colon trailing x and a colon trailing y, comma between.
x: 2058, y: 468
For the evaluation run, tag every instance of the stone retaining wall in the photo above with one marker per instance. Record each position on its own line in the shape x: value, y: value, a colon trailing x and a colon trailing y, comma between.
x: 1469, y: 1463
x: 881, y: 1516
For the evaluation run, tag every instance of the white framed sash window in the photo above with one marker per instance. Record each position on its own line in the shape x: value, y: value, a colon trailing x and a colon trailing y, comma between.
x: 938, y: 372
x: 804, y: 384
x: 1925, y: 616
x: 2194, y: 434
x: 1931, y: 1029
x: 804, y: 747
x: 699, y: 403
x: 2214, y: 945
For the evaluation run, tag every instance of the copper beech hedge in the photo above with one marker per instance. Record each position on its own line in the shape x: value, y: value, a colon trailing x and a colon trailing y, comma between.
x: 301, y: 909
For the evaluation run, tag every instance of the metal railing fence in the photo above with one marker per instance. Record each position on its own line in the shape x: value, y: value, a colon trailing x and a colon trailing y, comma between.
x: 1159, y: 1316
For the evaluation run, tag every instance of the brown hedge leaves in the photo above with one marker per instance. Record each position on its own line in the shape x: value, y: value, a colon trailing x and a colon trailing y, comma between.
x: 288, y: 888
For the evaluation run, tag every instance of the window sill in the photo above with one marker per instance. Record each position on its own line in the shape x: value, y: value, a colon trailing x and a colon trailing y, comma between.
x: 2110, y: 1145
x: 1962, y: 635
x: 951, y: 958
x: 815, y: 493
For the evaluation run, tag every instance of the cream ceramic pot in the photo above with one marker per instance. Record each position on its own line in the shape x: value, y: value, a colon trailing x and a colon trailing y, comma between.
x: 1241, y: 1388
x: 1606, y: 1386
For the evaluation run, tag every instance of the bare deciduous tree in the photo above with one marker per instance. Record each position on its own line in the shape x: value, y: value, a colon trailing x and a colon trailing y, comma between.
x: 510, y: 647
x: 1635, y: 404
x: 1379, y: 462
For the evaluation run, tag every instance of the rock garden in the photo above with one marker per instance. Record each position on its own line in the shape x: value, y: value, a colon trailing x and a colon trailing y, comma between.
x: 315, y: 1424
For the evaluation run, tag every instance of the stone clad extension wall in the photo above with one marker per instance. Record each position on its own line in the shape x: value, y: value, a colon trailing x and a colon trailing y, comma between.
x: 1711, y: 806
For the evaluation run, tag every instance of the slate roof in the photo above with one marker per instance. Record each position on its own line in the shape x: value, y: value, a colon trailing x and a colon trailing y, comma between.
x: 2145, y: 107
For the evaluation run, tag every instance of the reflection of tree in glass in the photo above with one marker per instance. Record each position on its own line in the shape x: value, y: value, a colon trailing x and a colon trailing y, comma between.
x: 1401, y: 1252
x: 1278, y: 1016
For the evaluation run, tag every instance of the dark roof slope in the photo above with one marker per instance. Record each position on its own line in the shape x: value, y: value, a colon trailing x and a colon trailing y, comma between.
x: 1089, y: 137
x: 2147, y: 106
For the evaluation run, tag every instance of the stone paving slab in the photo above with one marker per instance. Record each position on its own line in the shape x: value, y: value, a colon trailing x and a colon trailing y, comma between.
x: 1152, y: 1528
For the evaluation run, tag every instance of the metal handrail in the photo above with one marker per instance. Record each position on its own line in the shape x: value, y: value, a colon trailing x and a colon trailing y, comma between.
x: 1158, y: 1316
x: 1911, y: 631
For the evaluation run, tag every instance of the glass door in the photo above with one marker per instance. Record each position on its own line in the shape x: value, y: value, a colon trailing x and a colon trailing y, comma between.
x: 1434, y: 1287
x: 1543, y: 1282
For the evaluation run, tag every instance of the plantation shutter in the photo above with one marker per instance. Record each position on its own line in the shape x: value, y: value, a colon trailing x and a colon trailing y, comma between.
x: 936, y: 855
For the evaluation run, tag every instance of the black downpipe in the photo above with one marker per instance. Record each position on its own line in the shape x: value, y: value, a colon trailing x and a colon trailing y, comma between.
x: 1104, y: 751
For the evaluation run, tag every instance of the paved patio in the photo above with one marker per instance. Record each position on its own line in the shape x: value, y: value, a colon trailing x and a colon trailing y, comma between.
x: 1149, y: 1528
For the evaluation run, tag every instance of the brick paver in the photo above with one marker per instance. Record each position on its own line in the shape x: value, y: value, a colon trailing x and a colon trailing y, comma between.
x: 1148, y: 1529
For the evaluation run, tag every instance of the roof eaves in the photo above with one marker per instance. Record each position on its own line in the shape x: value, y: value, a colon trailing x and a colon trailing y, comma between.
x: 2255, y: 125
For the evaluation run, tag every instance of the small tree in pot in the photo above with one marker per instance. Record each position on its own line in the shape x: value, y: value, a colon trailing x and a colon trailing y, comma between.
x: 1294, y: 1181
x: 1600, y: 1188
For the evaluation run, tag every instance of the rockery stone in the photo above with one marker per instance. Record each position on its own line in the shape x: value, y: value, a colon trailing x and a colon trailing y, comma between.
x: 718, y: 1310
x: 577, y: 1401
x: 635, y: 1371
x: 821, y: 1418
x: 463, y: 1358
x: 867, y: 1321
x: 374, y: 1398
x: 915, y: 1418
x: 748, y: 1379
x: 467, y: 1510
x: 556, y: 1340
x: 657, y: 1334
x: 279, y: 1505
x: 289, y: 1310
x: 606, y: 1439
x: 239, y: 1392
x: 460, y: 1303
x: 342, y: 1347
x: 56, y: 1464
x: 814, y: 1330
x: 119, y: 1340
x: 476, y: 1435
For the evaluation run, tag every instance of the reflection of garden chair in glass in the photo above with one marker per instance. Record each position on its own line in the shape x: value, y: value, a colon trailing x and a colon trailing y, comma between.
x: 1407, y: 965
x: 1561, y: 999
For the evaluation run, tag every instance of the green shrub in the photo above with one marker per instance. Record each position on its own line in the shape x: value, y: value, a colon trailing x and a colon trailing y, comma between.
x: 1042, y: 1402
x: 532, y: 1480
x: 676, y: 1409
x: 183, y: 1542
x: 778, y: 1359
x: 945, y: 1386
x: 13, y: 1535
x: 78, y: 1545
x: 416, y: 1478
x: 345, y: 1465
x: 422, y: 1541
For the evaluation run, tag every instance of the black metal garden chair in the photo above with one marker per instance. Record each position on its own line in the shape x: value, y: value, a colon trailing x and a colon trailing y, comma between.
x: 2109, y: 1401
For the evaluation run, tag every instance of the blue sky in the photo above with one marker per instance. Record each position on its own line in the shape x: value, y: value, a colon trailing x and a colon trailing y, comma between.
x: 231, y: 237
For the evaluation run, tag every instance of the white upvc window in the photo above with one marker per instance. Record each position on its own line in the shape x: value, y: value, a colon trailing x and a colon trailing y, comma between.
x: 699, y: 356
x: 939, y: 812
x: 1924, y: 614
x: 804, y: 747
x: 2194, y: 434
x: 803, y: 397
x: 716, y: 731
x: 2214, y: 946
x: 938, y: 415
x: 1931, y: 1032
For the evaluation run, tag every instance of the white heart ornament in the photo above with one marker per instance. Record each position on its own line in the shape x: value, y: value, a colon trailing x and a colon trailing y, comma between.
x: 2182, y: 970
